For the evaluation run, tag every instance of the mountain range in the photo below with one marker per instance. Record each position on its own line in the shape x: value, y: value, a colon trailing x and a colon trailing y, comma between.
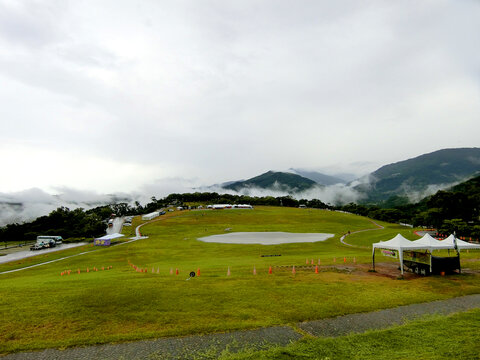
x: 412, y: 178
x: 393, y: 184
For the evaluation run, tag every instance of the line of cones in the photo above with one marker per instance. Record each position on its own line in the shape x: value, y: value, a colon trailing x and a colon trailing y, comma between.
x: 157, y: 270
x: 78, y: 271
x: 270, y: 269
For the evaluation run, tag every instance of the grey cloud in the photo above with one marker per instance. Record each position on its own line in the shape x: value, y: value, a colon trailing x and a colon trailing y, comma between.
x: 223, y: 90
x: 30, y: 23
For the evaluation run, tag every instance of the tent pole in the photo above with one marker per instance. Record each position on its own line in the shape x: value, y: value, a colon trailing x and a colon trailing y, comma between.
x: 431, y: 254
x: 459, y: 265
x: 400, y: 256
x: 373, y: 259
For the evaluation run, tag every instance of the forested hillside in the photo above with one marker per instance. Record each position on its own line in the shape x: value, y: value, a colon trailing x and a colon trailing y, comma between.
x: 456, y: 209
x: 418, y: 175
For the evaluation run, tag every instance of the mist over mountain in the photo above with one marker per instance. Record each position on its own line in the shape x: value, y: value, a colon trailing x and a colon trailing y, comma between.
x: 281, y: 181
x: 29, y: 204
x: 318, y: 177
x: 421, y: 176
x: 411, y: 179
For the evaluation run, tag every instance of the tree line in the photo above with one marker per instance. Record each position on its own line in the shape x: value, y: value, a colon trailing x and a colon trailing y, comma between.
x: 457, y: 209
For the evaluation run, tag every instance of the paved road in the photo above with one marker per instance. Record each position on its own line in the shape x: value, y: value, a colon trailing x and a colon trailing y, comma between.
x: 26, y: 253
x: 68, y: 257
x: 116, y: 226
x: 211, y: 345
x: 118, y: 223
x: 342, y: 239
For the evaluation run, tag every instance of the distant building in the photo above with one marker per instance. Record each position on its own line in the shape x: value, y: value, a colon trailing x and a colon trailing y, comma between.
x: 151, y: 216
x: 229, y: 206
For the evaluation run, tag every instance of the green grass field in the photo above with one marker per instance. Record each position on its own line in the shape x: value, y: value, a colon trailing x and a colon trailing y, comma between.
x: 43, y: 309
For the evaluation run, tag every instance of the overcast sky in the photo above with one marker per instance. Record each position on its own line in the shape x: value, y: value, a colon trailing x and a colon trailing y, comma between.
x: 121, y: 96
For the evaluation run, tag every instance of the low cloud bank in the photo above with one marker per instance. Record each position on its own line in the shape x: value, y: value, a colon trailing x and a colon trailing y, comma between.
x: 416, y: 196
x: 333, y: 194
x: 27, y: 205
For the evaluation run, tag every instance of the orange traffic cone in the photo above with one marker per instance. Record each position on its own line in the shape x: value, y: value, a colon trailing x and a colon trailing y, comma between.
x: 306, y: 261
x: 88, y: 270
x: 293, y: 270
x: 316, y: 269
x: 344, y: 259
x: 270, y: 270
x: 78, y: 271
x: 311, y: 262
x: 198, y: 272
x: 176, y: 271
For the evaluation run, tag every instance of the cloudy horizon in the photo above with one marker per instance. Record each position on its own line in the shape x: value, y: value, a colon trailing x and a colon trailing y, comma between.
x: 138, y: 97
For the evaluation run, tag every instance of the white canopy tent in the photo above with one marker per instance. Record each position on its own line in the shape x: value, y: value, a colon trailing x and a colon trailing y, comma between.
x: 431, y: 243
x: 462, y: 245
x: 398, y: 243
x: 427, y: 242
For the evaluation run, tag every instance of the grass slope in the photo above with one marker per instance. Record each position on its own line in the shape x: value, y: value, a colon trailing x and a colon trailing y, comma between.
x: 42, y: 309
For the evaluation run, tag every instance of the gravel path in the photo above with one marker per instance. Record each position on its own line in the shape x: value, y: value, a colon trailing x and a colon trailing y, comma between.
x: 170, y: 348
x: 381, y: 319
x: 209, y: 346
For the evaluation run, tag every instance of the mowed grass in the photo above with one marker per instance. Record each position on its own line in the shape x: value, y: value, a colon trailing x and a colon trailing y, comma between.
x: 42, y: 309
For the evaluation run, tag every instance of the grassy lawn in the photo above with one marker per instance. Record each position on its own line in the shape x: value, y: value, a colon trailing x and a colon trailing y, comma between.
x: 42, y: 309
x: 439, y: 337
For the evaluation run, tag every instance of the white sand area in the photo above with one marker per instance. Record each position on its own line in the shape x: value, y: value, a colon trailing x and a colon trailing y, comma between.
x: 266, y: 238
